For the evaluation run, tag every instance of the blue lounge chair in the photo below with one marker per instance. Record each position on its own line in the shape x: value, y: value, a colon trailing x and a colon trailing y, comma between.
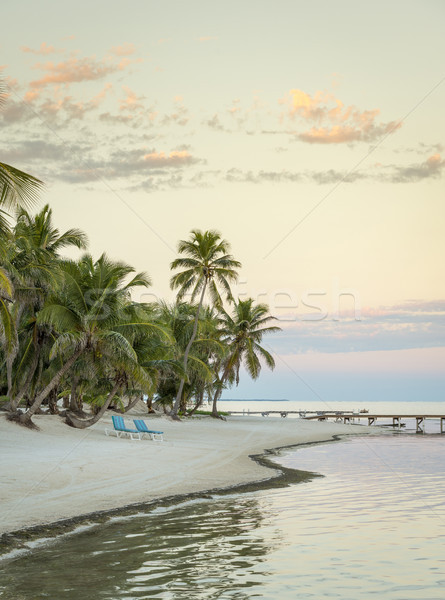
x: 141, y: 426
x: 120, y: 429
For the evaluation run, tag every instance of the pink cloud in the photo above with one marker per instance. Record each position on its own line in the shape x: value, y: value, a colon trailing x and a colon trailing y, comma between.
x: 340, y: 134
x: 100, y: 97
x: 435, y: 162
x: 131, y: 102
x: 58, y: 104
x: 124, y: 50
x: 44, y: 49
x: 176, y: 158
x: 75, y: 70
x: 334, y: 122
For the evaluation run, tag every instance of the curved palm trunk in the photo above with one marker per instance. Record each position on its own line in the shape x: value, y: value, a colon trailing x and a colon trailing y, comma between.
x: 131, y: 404
x: 35, y: 361
x: 26, y: 418
x: 174, y: 411
x: 199, y: 402
x: 218, y: 392
x: 13, y: 351
x: 72, y: 420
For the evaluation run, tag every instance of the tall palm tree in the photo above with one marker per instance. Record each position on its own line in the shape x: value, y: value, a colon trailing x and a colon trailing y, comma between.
x: 243, y: 331
x: 207, y: 266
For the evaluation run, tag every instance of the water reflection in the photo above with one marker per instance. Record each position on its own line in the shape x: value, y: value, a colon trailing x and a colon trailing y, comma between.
x: 198, y: 550
x: 373, y: 527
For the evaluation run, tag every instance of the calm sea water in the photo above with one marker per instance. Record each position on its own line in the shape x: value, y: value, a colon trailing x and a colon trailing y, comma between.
x: 372, y: 527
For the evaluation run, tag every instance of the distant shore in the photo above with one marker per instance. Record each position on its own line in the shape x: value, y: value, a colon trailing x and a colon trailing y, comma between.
x: 60, y: 473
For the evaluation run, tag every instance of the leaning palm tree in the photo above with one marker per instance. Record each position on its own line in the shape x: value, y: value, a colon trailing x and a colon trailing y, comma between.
x: 88, y: 314
x: 207, y: 266
x: 31, y: 264
x: 243, y: 331
x: 17, y: 188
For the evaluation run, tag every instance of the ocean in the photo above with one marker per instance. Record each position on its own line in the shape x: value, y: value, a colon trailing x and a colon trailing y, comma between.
x: 373, y: 526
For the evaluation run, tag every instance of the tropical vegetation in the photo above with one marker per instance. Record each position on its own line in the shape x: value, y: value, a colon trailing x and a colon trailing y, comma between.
x: 75, y: 342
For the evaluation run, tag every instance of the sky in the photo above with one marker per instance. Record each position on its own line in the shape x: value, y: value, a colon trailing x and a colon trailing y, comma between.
x: 311, y: 135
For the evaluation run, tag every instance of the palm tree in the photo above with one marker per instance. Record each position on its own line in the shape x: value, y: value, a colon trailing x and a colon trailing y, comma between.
x: 31, y: 263
x: 86, y: 313
x: 17, y: 188
x: 242, y: 332
x: 179, y: 318
x: 207, y: 265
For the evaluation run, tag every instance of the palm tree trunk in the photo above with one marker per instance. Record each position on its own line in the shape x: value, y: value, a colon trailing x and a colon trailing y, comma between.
x: 219, y: 390
x: 35, y: 361
x: 131, y: 404
x: 174, y: 411
x: 13, y: 351
x: 52, y: 402
x: 72, y: 420
x: 150, y: 405
x: 74, y: 397
x: 26, y: 418
x: 199, y: 401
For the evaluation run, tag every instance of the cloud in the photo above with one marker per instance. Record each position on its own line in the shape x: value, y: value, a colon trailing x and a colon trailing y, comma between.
x: 431, y: 168
x: 176, y: 158
x: 132, y: 111
x: 57, y: 106
x: 414, y: 324
x: 131, y: 103
x: 179, y: 116
x: 420, y: 149
x: 123, y: 50
x: 33, y: 151
x: 332, y: 176
x: 333, y: 121
x: 239, y: 176
x: 340, y: 134
x: 119, y: 119
x: 215, y: 123
x: 76, y: 70
x: 84, y: 162
x: 44, y: 49
x: 132, y: 164
x: 320, y: 177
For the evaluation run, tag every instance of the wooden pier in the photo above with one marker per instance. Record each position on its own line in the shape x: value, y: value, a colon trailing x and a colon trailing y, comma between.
x: 396, y: 419
x: 350, y: 417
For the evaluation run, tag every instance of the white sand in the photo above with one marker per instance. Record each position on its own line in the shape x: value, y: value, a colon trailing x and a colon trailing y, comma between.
x: 61, y: 472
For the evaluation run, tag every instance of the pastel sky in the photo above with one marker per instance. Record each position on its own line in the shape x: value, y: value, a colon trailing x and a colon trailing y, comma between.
x: 312, y: 135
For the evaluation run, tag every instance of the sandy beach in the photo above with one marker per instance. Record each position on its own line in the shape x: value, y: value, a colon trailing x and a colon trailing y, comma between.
x: 60, y: 472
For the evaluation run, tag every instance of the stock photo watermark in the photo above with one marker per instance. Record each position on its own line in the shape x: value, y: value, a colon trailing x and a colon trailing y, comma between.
x: 333, y: 303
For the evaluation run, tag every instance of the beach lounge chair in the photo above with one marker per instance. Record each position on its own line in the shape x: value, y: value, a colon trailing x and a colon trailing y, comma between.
x: 120, y: 429
x: 141, y: 426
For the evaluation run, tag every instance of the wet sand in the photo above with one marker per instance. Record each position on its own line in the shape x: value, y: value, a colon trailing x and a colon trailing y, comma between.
x: 59, y: 472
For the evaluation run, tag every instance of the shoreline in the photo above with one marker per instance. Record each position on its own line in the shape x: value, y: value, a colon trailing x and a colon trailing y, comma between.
x: 199, y: 458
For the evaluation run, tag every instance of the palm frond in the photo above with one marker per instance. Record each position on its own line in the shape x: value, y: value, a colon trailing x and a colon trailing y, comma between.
x: 17, y: 187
